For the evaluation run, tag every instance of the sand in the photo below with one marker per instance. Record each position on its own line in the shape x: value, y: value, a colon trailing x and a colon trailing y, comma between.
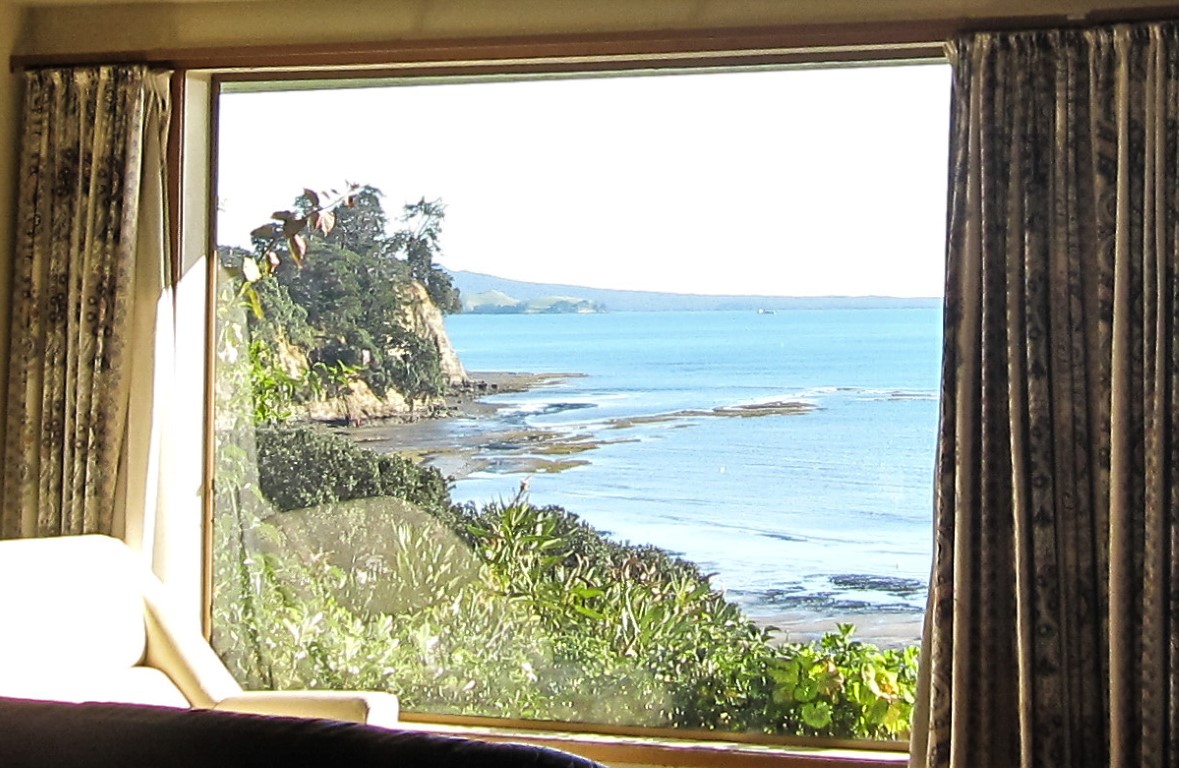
x: 886, y: 630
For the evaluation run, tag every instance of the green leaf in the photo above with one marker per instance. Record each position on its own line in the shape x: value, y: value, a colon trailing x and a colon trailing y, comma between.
x: 785, y: 673
x: 590, y: 612
x: 817, y: 714
x: 806, y: 690
x: 254, y: 301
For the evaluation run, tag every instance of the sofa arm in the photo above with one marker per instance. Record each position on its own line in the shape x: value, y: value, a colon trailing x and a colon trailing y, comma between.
x: 368, y: 707
x: 182, y: 653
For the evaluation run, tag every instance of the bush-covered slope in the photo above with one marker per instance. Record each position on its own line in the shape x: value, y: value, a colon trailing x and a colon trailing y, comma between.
x: 519, y: 611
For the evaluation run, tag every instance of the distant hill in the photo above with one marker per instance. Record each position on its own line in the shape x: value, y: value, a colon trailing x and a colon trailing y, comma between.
x: 484, y: 290
x: 475, y: 302
x: 497, y: 302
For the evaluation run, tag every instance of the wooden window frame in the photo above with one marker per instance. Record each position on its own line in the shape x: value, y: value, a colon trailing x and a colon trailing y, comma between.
x: 614, y: 744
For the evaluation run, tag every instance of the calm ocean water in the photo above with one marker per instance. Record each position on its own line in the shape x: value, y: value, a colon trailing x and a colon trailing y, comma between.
x: 827, y: 510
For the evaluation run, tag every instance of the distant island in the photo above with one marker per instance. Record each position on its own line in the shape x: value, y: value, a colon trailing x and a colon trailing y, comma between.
x: 496, y: 302
x: 487, y: 294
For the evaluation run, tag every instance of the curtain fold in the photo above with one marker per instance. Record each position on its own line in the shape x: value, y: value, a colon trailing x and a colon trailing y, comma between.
x: 79, y: 269
x: 1052, y: 635
x: 151, y: 370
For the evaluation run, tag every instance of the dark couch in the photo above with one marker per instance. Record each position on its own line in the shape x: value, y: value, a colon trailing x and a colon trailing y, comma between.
x: 38, y: 734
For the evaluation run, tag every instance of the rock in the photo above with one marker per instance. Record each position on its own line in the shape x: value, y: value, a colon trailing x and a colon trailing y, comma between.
x: 360, y: 404
x: 425, y: 319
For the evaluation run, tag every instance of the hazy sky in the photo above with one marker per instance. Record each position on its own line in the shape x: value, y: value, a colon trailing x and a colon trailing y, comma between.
x: 800, y: 182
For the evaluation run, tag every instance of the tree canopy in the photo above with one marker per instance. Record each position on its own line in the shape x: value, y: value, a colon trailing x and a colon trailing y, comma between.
x: 418, y: 242
x: 345, y: 299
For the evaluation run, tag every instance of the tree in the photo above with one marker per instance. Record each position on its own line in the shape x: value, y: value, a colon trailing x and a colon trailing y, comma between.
x: 418, y: 241
x: 359, y: 227
x: 354, y: 301
x: 417, y: 368
x: 327, y: 278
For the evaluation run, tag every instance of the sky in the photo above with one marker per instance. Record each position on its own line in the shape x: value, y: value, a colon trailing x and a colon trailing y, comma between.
x: 796, y: 182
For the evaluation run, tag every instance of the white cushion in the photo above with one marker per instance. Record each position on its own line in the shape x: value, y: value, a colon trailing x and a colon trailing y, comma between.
x: 135, y: 685
x: 72, y: 604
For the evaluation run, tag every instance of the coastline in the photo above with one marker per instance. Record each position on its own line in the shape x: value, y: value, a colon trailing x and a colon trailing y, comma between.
x: 522, y: 449
x: 456, y: 445
x: 885, y: 630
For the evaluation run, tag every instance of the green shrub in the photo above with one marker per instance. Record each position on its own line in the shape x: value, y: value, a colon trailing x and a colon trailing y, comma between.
x: 845, y: 688
x: 386, y: 601
x: 303, y: 466
x: 370, y: 579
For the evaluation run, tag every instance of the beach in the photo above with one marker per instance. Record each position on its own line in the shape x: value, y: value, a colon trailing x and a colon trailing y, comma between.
x: 885, y: 630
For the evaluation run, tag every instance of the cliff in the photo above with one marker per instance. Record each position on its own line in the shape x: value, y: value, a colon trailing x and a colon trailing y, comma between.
x: 359, y: 403
x: 421, y: 316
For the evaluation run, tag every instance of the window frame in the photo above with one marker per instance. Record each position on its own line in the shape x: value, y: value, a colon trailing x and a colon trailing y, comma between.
x: 601, y: 55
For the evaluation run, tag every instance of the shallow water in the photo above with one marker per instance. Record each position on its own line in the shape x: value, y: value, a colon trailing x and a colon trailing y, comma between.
x: 824, y: 508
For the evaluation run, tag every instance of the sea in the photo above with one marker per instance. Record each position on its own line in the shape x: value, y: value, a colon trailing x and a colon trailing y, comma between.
x: 821, y: 504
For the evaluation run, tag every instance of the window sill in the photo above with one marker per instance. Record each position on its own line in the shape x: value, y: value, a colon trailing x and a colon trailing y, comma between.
x: 628, y: 751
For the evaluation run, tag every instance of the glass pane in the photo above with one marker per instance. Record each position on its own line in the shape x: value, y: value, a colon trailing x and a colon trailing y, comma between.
x: 606, y: 400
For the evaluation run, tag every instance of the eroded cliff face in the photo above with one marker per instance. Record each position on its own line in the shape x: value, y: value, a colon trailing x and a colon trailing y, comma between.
x: 360, y: 403
x: 425, y: 319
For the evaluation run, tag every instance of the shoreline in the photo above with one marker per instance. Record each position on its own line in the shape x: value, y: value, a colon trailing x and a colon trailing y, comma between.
x: 524, y: 450
x: 467, y: 400
x: 895, y: 630
x: 455, y: 444
x: 442, y: 442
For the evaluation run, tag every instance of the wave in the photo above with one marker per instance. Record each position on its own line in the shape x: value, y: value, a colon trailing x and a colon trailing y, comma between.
x: 770, y: 601
x: 838, y: 593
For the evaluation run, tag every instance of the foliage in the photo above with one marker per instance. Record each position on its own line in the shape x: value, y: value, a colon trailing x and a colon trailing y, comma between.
x: 303, y: 466
x: 291, y: 228
x: 416, y: 371
x: 634, y: 622
x: 274, y: 388
x: 347, y: 307
x: 521, y: 611
x: 418, y: 241
x: 840, y: 687
x: 355, y: 303
x: 276, y: 391
x: 359, y: 227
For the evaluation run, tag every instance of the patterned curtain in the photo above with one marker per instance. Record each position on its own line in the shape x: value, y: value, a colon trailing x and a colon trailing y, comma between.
x: 1052, y: 637
x: 74, y: 290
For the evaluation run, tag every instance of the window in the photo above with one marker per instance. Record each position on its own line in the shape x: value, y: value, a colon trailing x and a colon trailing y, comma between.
x: 597, y: 400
